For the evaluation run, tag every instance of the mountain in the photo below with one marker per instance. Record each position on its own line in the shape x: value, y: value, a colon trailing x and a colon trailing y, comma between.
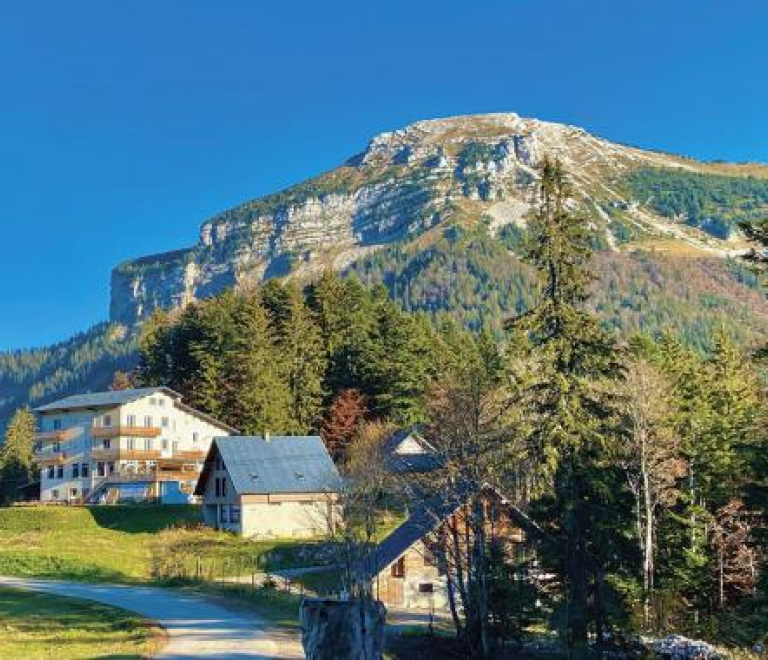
x: 410, y: 185
x: 437, y: 212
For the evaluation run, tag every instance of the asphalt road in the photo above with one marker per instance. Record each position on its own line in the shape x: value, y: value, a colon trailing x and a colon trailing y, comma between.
x: 196, y: 627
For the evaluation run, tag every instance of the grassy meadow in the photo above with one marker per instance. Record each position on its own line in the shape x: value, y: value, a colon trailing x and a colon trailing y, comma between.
x: 41, y: 626
x: 135, y: 544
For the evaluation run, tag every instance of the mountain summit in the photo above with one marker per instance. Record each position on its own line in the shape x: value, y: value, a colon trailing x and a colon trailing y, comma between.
x: 461, y: 171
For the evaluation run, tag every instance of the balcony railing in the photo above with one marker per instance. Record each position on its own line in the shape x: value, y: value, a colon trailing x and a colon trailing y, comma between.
x: 120, y: 454
x: 44, y: 458
x: 185, y: 456
x: 125, y: 431
x: 59, y: 435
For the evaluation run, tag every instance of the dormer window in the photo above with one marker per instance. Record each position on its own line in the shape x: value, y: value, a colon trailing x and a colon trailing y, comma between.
x: 107, y: 421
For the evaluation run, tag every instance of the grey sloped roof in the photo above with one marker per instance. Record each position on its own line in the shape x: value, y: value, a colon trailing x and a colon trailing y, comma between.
x: 282, y: 464
x: 427, y: 517
x: 104, y: 399
x: 409, y: 463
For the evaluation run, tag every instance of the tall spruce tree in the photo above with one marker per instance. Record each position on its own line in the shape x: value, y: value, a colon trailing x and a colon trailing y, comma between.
x: 258, y: 398
x: 573, y: 356
x: 16, y: 468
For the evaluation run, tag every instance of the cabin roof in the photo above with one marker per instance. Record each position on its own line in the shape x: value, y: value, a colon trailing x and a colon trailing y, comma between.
x: 426, y: 518
x: 281, y: 464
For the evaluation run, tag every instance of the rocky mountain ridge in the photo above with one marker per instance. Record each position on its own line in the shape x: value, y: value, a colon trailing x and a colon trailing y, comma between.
x: 405, y: 186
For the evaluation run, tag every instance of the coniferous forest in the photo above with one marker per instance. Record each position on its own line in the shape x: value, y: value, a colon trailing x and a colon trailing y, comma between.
x: 640, y: 457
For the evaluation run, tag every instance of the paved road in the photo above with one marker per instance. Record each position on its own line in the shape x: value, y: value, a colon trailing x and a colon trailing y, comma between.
x: 196, y: 627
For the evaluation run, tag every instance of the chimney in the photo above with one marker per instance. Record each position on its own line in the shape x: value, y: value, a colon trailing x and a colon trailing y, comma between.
x: 267, y: 436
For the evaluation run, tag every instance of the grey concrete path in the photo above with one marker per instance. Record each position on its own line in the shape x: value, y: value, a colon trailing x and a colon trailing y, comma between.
x: 196, y: 627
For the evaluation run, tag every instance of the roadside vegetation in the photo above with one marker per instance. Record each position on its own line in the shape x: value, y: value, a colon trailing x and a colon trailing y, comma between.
x: 42, y: 626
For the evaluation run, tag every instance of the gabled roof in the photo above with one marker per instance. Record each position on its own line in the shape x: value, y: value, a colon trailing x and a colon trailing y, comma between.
x: 105, y: 399
x: 282, y: 464
x: 114, y: 398
x: 426, y: 519
x: 403, y: 463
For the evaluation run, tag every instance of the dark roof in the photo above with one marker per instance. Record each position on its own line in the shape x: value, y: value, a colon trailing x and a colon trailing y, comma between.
x: 426, y: 519
x: 104, y: 399
x: 282, y: 464
x: 409, y: 463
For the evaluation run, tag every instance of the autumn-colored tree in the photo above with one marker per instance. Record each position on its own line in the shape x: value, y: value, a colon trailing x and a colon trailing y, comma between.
x: 121, y: 380
x: 342, y: 421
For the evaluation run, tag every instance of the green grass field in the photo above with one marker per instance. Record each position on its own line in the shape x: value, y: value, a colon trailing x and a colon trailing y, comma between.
x: 134, y: 544
x: 41, y: 626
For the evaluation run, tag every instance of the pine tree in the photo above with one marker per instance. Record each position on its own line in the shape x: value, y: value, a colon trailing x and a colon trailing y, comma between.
x: 304, y: 360
x: 570, y: 407
x: 258, y: 398
x: 16, y: 467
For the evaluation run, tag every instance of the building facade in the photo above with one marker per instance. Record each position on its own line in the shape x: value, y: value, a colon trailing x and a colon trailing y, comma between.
x: 410, y: 568
x: 125, y: 445
x: 281, y: 487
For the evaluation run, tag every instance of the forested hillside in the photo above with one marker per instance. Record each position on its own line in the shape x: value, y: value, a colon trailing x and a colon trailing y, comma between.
x: 479, y: 281
x: 85, y: 362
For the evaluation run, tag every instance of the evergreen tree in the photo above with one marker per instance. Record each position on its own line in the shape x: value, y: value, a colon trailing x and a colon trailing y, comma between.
x: 16, y: 467
x: 570, y: 406
x: 258, y: 399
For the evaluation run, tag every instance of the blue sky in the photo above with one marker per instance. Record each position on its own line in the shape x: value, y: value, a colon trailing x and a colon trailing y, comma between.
x: 126, y: 123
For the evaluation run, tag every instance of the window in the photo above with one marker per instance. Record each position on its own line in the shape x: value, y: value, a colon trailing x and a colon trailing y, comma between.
x: 101, y: 469
x: 165, y: 444
x: 73, y: 492
x: 60, y: 472
x: 131, y: 420
x: 51, y: 471
x: 426, y: 588
x: 194, y: 437
x: 111, y: 468
x: 56, y: 424
x: 152, y: 401
x: 398, y: 568
x: 224, y: 513
x: 85, y: 470
x: 75, y: 470
x: 148, y: 421
x: 218, y: 487
x: 164, y: 422
x: 160, y: 401
x: 131, y: 443
x: 148, y: 444
x: 107, y: 444
x: 223, y: 486
x: 55, y: 494
x: 275, y: 503
x: 107, y: 421
x: 234, y: 513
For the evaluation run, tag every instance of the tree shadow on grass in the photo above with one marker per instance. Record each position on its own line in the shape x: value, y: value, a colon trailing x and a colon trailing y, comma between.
x: 144, y: 518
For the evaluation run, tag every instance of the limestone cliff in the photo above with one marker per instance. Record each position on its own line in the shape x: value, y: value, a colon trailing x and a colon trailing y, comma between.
x: 407, y: 182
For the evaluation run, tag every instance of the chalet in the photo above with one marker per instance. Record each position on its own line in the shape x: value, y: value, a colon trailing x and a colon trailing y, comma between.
x: 405, y: 568
x: 124, y: 445
x: 408, y: 452
x: 270, y: 487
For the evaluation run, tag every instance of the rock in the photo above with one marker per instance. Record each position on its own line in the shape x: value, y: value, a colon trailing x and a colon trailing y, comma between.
x: 342, y: 629
x: 677, y: 647
x: 403, y: 184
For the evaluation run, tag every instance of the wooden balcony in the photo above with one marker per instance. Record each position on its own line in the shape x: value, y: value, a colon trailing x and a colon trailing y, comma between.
x: 108, y: 432
x: 60, y: 435
x: 44, y: 459
x: 119, y: 454
x: 189, y: 456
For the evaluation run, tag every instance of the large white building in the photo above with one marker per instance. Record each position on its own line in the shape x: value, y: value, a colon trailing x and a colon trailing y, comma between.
x: 123, y: 445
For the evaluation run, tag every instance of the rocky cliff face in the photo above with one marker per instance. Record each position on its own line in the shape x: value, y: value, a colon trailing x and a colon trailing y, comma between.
x: 458, y: 170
